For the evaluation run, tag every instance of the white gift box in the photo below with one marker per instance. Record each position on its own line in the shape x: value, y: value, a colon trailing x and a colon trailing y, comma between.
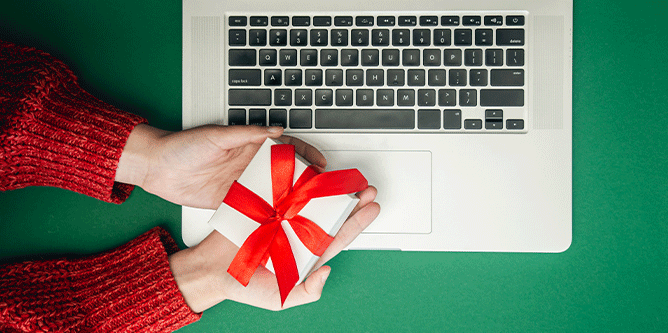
x: 327, y: 212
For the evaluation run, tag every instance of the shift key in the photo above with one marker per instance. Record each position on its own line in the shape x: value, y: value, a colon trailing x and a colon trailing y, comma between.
x: 253, y: 97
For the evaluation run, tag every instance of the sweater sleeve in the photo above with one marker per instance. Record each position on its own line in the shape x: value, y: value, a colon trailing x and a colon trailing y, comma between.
x: 129, y: 289
x: 53, y: 133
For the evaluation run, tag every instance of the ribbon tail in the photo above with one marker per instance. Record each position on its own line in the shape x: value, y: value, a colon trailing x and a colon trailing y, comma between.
x: 311, y: 235
x: 253, y: 252
x: 284, y: 263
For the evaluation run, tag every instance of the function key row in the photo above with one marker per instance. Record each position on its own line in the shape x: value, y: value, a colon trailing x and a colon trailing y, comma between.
x: 384, y: 21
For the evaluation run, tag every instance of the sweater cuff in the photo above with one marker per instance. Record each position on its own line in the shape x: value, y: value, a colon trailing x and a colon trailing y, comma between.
x: 57, y: 134
x: 129, y: 289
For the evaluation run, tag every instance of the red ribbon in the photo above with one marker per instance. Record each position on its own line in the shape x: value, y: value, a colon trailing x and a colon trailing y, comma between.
x: 269, y: 240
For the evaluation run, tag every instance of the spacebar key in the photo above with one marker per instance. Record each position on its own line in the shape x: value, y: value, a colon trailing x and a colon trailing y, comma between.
x: 249, y: 97
x: 364, y: 118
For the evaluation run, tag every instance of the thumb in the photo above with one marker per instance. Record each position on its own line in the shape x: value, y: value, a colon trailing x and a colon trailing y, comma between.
x: 316, y: 282
x: 237, y: 136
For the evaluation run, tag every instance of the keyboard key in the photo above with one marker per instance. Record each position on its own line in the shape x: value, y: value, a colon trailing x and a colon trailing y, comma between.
x: 272, y: 77
x: 324, y: 97
x: 493, y: 114
x: 452, y: 57
x: 257, y: 37
x: 442, y: 37
x: 463, y: 37
x: 344, y: 97
x: 471, y: 20
x: 447, y: 97
x: 429, y: 119
x: 259, y: 21
x: 411, y: 57
x: 395, y: 77
x: 385, y: 97
x: 282, y: 97
x: 298, y: 37
x: 280, y: 21
x: 278, y: 117
x: 457, y: 77
x: 319, y: 37
x: 245, y: 77
x: 501, y: 97
x: 507, y: 77
x: 300, y: 118
x: 390, y: 57
x: 515, y: 57
x: 514, y: 124
x: 483, y: 37
x: 494, y: 20
x: 303, y: 97
x: 301, y: 21
x: 401, y: 37
x: 322, y: 21
x: 349, y: 57
x: 406, y: 97
x: 473, y: 57
x: 380, y: 37
x: 364, y: 119
x: 329, y: 57
x: 494, y: 123
x: 472, y: 124
x: 236, y: 117
x: 370, y: 57
x: 287, y: 57
x: 478, y: 77
x: 494, y: 57
x: 375, y: 77
x: 259, y: 97
x: 278, y: 37
x: 450, y: 20
x: 268, y: 57
x: 386, y: 21
x: 452, y: 119
x: 364, y: 97
x: 426, y: 97
x: 511, y: 37
x: 293, y: 77
x: 427, y: 21
x: 421, y: 37
x: 407, y: 21
x: 238, y: 21
x: 257, y: 117
x: 354, y: 77
x: 363, y: 21
x: 339, y: 37
x: 436, y: 77
x: 343, y: 21
x: 431, y: 57
x: 514, y: 20
x: 242, y: 57
x: 468, y: 97
x: 237, y: 37
x: 308, y: 57
x: 416, y: 77
x: 334, y: 77
x: 359, y: 37
x: 313, y: 77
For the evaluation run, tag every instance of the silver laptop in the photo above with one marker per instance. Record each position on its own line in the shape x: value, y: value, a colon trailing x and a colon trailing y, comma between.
x: 459, y: 112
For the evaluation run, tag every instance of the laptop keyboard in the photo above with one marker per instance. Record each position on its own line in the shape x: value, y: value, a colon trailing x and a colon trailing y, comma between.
x: 422, y: 72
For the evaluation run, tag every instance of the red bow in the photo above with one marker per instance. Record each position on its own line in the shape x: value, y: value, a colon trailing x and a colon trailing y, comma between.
x: 269, y: 240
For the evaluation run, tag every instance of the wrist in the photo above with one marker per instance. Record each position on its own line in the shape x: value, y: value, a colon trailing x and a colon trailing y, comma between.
x: 135, y: 160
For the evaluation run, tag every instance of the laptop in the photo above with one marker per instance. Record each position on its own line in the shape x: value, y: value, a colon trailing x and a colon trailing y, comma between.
x: 458, y: 112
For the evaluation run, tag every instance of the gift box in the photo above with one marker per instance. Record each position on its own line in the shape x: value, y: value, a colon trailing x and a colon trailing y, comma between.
x: 283, y: 214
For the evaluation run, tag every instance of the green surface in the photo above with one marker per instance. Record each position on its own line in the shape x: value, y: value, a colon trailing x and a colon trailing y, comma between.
x: 614, y: 277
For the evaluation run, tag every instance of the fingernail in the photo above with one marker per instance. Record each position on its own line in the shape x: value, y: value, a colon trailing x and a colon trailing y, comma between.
x: 324, y: 277
x: 274, y: 129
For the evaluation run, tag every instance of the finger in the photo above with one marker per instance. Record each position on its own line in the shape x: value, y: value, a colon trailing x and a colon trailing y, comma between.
x: 310, y: 153
x: 366, y: 196
x: 350, y: 230
x: 237, y: 136
x: 310, y: 290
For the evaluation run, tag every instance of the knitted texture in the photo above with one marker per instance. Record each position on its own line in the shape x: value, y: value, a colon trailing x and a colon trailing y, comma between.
x: 129, y: 289
x: 53, y: 133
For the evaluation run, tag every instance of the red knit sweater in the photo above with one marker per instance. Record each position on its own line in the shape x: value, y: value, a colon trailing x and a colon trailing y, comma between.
x: 52, y: 133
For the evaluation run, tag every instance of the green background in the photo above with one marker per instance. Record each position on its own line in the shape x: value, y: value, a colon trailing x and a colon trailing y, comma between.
x: 614, y: 277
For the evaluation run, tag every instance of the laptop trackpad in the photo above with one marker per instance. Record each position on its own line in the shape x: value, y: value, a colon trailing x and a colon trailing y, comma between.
x: 403, y: 180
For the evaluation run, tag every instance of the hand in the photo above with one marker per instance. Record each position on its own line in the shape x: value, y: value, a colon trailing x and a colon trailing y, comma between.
x: 201, y: 271
x: 196, y: 167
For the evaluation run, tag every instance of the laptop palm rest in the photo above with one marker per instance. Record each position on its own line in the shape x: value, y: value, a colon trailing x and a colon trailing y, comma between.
x: 403, y: 180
